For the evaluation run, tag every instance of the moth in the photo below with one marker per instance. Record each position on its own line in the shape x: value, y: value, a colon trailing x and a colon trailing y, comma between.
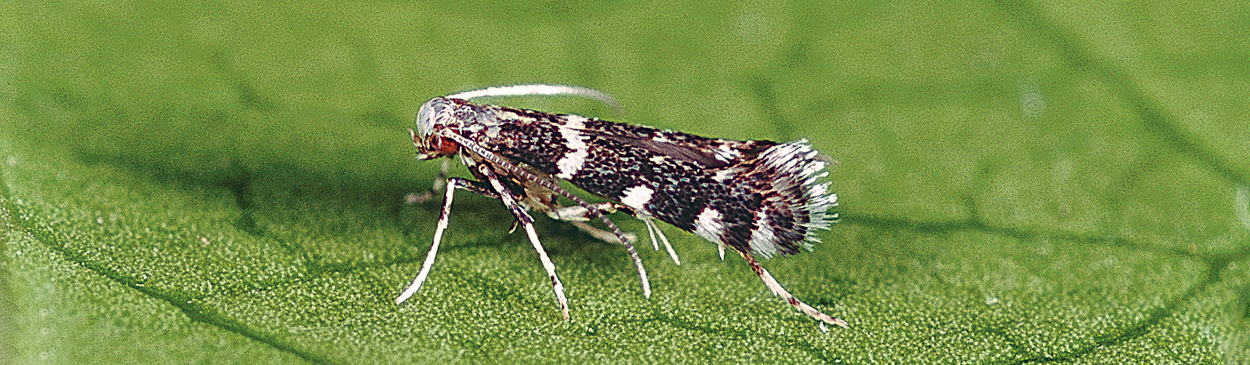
x: 755, y: 197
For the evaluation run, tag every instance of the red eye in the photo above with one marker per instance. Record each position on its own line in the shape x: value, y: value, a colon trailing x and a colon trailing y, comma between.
x: 443, y: 146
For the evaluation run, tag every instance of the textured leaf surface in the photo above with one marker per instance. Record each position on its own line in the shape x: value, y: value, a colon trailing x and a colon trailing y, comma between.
x: 1021, y: 182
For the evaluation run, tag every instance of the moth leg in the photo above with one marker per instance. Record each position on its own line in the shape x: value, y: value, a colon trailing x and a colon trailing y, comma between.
x: 552, y: 186
x: 583, y: 211
x: 777, y: 290
x: 528, y: 223
x: 653, y: 231
x: 443, y: 217
x: 440, y: 182
x: 602, y: 235
x: 578, y: 214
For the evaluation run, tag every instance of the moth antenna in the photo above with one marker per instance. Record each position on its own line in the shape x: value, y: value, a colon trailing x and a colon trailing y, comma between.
x: 594, y: 211
x: 539, y: 89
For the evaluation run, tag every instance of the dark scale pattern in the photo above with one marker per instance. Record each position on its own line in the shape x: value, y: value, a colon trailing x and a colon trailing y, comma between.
x: 683, y: 187
x: 785, y: 212
x: 621, y: 157
x: 621, y: 129
x: 538, y: 144
x: 612, y: 167
x: 681, y: 146
x: 738, y: 215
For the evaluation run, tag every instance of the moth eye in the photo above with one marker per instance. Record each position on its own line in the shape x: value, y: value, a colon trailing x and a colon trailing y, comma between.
x: 441, y: 145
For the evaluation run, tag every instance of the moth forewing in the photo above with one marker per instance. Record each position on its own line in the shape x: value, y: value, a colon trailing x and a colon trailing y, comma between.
x: 756, y: 197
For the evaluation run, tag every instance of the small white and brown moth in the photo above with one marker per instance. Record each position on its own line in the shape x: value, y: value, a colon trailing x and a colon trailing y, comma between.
x: 756, y: 197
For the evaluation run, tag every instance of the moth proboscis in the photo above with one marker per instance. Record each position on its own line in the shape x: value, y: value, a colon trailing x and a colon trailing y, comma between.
x: 755, y: 197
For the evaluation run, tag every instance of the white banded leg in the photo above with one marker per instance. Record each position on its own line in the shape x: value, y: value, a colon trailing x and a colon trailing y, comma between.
x: 653, y: 231
x: 554, y: 187
x: 443, y: 217
x: 527, y: 222
x: 577, y: 214
x: 600, y: 234
x: 777, y: 290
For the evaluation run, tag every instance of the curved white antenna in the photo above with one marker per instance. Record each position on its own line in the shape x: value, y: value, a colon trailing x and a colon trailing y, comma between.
x: 538, y: 89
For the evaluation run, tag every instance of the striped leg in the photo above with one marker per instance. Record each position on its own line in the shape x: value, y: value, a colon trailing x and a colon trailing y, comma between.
x: 554, y: 187
x: 577, y: 215
x: 777, y: 290
x: 443, y: 217
x: 653, y: 231
x: 527, y: 222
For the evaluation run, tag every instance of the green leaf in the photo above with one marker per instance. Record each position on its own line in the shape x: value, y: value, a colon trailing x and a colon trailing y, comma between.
x: 1021, y: 182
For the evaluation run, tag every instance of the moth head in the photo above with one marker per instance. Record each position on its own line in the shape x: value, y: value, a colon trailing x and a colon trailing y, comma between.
x: 433, y: 118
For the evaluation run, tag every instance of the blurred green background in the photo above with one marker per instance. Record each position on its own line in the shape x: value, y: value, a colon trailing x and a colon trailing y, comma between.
x: 223, y: 182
